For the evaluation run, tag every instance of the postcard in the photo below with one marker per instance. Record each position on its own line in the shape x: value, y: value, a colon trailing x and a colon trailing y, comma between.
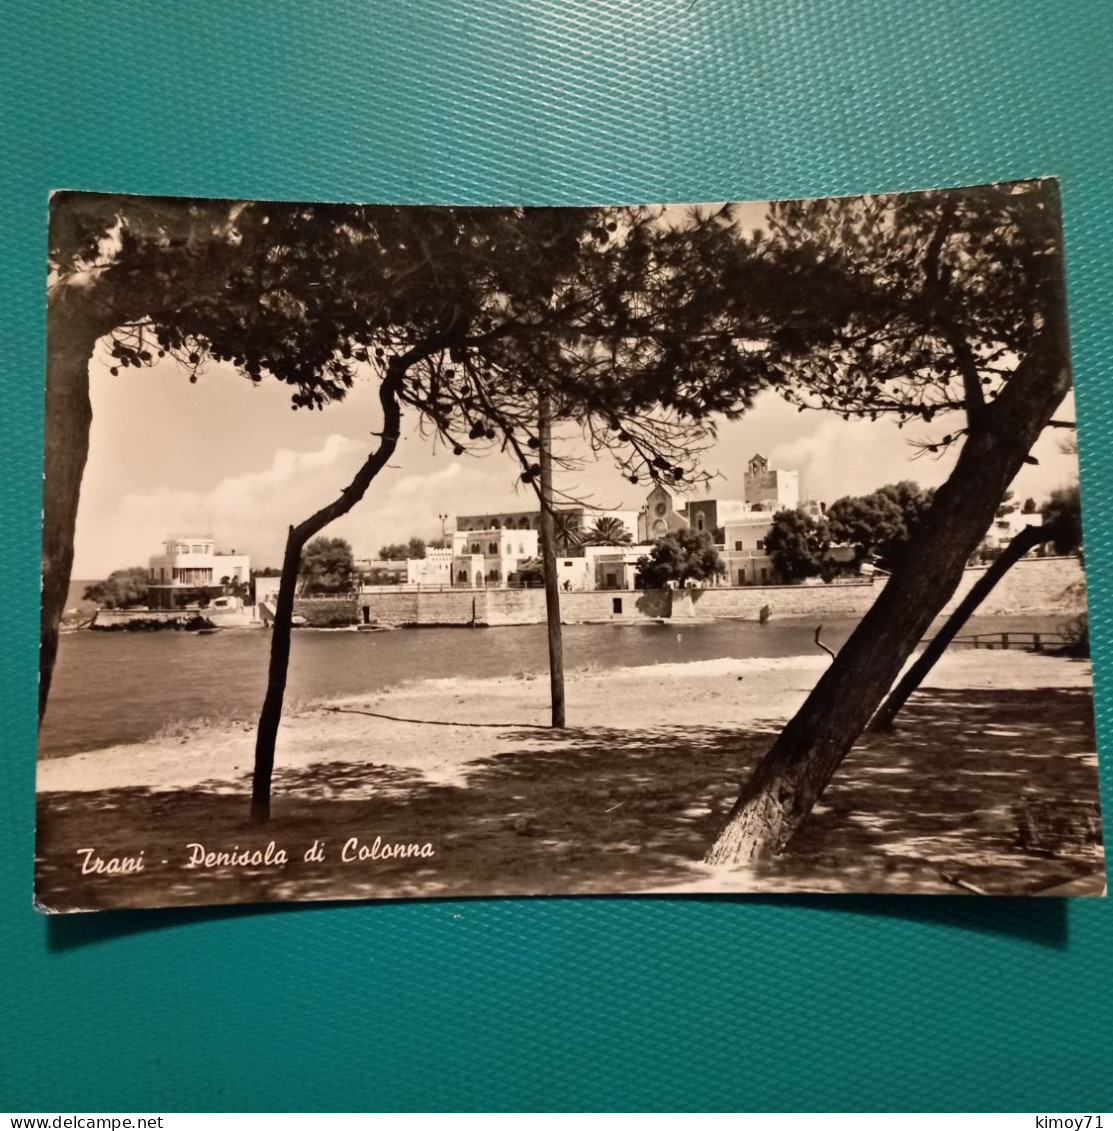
x: 398, y: 551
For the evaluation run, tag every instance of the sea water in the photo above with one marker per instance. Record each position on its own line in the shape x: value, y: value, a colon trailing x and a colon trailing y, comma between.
x: 122, y: 687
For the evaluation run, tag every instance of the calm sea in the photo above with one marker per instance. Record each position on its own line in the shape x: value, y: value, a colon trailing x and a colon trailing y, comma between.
x: 112, y: 687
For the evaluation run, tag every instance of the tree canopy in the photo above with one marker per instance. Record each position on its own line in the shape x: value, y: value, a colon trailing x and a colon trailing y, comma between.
x: 797, y: 544
x: 685, y: 556
x: 327, y: 566
x: 121, y: 588
x: 608, y: 531
x: 937, y: 307
x: 1063, y: 514
x: 879, y: 525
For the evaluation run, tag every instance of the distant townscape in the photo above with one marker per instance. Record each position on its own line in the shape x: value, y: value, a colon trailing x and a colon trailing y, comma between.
x: 598, y: 549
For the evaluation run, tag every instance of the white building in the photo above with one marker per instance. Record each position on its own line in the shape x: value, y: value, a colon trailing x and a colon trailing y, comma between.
x: 614, y: 567
x: 189, y: 563
x: 490, y: 558
x: 433, y: 569
x: 744, y: 553
x: 1007, y: 526
x: 579, y: 518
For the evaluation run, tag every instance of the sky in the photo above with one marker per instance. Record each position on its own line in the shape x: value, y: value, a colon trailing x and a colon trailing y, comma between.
x: 230, y: 459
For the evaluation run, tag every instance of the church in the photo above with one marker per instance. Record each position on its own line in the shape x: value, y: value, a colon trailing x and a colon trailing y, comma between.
x: 738, y: 527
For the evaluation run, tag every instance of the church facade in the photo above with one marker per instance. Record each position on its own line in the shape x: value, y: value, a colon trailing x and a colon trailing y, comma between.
x: 739, y: 527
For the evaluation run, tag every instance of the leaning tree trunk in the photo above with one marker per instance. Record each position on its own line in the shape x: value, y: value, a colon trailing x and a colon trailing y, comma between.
x: 549, y: 560
x: 1024, y: 541
x: 271, y: 714
x: 71, y: 339
x: 793, y: 774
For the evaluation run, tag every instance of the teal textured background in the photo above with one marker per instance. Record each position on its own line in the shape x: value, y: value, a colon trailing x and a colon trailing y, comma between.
x: 747, y: 1003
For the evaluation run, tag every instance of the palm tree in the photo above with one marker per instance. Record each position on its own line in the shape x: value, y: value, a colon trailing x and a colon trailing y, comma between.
x: 608, y: 531
x: 569, y: 533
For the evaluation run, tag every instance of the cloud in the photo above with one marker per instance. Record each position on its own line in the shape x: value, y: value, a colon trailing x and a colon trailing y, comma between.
x: 252, y: 510
x: 424, y: 486
x: 249, y: 511
x: 856, y: 457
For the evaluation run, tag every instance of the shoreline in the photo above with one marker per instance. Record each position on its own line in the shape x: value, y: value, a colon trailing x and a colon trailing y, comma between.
x: 758, y: 694
x: 973, y: 788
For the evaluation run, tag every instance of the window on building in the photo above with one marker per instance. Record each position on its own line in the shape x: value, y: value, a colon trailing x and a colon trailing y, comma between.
x: 738, y: 545
x: 699, y: 521
x: 761, y: 543
x: 616, y: 605
x: 568, y: 564
x: 198, y: 549
x: 492, y: 547
x: 475, y: 548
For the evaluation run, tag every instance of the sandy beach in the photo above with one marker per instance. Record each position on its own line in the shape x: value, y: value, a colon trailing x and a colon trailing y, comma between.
x: 627, y: 798
x: 451, y: 722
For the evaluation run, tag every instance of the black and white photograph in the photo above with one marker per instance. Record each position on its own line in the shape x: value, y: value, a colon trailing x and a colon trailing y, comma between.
x: 437, y: 551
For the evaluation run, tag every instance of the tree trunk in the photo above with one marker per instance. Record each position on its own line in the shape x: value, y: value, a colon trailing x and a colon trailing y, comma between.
x: 266, y: 735
x: 549, y: 560
x: 1025, y: 540
x: 271, y: 714
x: 793, y: 774
x: 71, y: 339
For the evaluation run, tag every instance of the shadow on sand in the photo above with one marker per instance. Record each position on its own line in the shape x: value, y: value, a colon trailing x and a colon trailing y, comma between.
x: 973, y: 785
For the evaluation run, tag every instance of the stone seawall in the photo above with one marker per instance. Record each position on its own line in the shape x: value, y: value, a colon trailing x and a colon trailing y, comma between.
x: 1033, y: 586
x: 326, y: 612
x: 509, y: 606
x: 783, y: 600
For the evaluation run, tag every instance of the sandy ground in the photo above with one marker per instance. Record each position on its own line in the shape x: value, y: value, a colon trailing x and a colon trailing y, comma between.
x: 989, y: 783
x: 758, y: 694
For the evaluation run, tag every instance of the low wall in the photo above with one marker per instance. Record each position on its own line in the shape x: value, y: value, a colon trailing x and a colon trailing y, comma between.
x: 326, y: 612
x: 783, y: 600
x: 599, y: 605
x: 1034, y: 585
x: 510, y: 606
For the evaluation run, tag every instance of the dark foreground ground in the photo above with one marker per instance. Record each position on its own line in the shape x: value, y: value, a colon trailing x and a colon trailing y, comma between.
x: 994, y: 790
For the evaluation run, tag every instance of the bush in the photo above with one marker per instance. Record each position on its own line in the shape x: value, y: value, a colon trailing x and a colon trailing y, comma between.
x: 1077, y: 633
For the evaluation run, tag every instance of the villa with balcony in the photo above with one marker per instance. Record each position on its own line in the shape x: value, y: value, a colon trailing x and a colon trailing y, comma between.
x: 189, y: 564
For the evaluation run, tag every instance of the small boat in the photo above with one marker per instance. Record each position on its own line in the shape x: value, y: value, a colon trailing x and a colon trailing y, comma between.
x: 207, y: 631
